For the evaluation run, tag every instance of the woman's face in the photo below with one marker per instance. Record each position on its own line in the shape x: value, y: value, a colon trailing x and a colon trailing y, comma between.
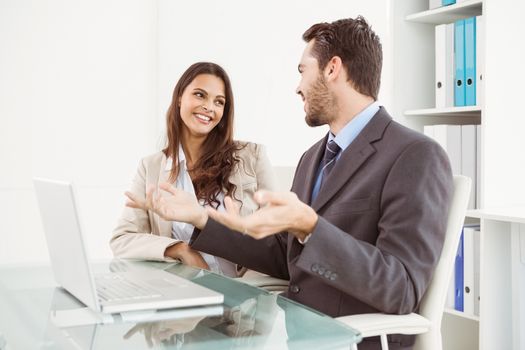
x: 202, y: 105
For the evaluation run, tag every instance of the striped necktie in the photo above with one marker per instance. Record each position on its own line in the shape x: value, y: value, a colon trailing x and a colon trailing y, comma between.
x: 328, y: 162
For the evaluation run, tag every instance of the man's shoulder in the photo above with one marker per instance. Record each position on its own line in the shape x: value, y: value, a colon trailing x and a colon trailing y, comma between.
x: 397, y: 133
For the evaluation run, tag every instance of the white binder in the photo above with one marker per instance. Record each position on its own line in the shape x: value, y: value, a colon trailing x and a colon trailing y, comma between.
x: 478, y: 167
x: 480, y: 55
x: 468, y: 158
x: 444, y: 57
x: 449, y: 137
x: 434, y: 4
x: 468, y: 270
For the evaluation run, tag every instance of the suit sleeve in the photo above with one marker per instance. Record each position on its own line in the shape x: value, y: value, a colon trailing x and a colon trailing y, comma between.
x: 267, y: 255
x: 393, y: 274
x: 133, y: 237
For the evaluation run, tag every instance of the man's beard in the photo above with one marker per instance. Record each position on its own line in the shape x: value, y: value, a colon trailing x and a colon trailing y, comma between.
x: 321, y: 104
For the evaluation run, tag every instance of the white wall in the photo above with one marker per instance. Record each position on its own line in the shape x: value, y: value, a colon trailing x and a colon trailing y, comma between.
x: 77, y: 101
x: 259, y: 44
x: 84, y: 87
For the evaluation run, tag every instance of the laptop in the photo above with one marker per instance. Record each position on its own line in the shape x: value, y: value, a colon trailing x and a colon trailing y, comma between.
x: 111, y: 292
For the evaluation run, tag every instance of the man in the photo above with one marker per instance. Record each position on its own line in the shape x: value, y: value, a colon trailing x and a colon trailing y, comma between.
x: 364, y: 225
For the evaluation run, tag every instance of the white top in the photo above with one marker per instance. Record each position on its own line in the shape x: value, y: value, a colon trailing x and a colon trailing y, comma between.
x: 181, y: 230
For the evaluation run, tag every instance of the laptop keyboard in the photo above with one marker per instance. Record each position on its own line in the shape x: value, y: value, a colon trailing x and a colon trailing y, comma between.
x: 113, y: 287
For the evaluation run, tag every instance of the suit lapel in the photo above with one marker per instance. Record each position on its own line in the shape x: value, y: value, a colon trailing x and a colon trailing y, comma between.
x: 349, y: 162
x: 353, y: 158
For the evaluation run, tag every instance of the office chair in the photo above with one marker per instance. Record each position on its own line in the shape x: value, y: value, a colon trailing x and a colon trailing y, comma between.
x: 427, y: 322
x: 271, y: 284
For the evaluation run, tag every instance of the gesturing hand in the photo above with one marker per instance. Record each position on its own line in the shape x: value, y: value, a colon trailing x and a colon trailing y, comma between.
x: 179, y: 205
x: 158, y: 332
x: 280, y: 211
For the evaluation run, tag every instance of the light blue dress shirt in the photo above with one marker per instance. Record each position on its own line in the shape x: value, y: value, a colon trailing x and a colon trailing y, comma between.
x: 346, y: 136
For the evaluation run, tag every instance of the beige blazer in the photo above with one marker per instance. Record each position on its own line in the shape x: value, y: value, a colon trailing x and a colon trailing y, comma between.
x: 144, y: 235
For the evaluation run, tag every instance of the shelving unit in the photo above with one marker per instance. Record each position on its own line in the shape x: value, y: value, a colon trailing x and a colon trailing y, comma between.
x: 502, y: 269
x: 449, y: 115
x: 448, y: 14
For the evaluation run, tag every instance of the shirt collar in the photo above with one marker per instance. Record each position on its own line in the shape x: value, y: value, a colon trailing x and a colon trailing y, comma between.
x: 350, y: 131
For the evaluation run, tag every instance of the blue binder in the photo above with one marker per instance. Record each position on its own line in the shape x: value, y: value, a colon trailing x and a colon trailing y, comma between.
x: 459, y: 277
x: 470, y: 61
x: 447, y: 2
x: 459, y: 63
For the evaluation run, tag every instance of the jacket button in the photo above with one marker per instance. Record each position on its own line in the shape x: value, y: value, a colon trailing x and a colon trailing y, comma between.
x: 315, y: 267
x: 294, y: 288
x: 321, y: 270
x: 328, y: 273
x: 333, y: 276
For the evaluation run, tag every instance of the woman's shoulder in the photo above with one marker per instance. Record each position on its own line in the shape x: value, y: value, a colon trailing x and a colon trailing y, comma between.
x: 247, y: 149
x: 153, y: 159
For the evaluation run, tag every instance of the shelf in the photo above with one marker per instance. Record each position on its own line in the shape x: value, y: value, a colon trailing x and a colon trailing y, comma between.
x: 468, y: 111
x: 461, y: 314
x: 511, y: 214
x: 448, y: 14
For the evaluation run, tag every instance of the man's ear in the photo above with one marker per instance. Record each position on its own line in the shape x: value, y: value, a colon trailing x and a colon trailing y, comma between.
x: 333, y: 68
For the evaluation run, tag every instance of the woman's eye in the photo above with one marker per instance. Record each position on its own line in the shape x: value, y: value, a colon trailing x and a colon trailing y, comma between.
x: 219, y: 103
x: 199, y: 94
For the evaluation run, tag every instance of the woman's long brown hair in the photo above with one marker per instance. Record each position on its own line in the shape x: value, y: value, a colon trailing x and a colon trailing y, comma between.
x: 211, y: 173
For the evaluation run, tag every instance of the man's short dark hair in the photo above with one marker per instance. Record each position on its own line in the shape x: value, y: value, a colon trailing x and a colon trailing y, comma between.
x: 359, y: 48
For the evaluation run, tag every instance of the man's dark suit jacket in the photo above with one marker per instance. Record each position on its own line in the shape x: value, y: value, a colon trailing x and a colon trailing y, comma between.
x: 382, y: 218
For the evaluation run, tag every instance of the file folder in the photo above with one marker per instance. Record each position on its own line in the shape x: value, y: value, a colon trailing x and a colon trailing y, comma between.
x: 468, y: 270
x: 433, y: 4
x: 468, y: 159
x: 477, y: 252
x: 458, y: 276
x: 444, y: 85
x: 470, y: 61
x: 459, y: 60
x: 449, y: 137
x: 478, y: 166
x: 480, y: 55
x: 447, y: 2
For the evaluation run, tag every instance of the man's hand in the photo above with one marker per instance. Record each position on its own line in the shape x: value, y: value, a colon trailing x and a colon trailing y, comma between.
x: 179, y: 206
x: 186, y: 255
x: 279, y: 211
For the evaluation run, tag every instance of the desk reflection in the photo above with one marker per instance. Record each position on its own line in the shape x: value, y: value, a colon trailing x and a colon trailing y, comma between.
x: 37, y: 314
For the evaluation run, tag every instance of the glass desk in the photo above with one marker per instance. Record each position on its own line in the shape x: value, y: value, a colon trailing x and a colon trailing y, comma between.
x: 36, y: 314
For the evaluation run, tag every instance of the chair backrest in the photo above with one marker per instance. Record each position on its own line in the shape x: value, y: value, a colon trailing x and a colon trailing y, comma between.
x: 284, y: 177
x: 433, y: 302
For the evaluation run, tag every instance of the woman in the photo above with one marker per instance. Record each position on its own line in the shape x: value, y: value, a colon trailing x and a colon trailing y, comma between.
x: 202, y: 161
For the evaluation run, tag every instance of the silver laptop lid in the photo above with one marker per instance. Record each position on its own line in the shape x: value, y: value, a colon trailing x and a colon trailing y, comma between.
x: 65, y: 243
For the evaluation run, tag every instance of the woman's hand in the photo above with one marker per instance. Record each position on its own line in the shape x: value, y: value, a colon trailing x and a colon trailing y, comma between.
x: 188, y: 256
x: 179, y: 205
